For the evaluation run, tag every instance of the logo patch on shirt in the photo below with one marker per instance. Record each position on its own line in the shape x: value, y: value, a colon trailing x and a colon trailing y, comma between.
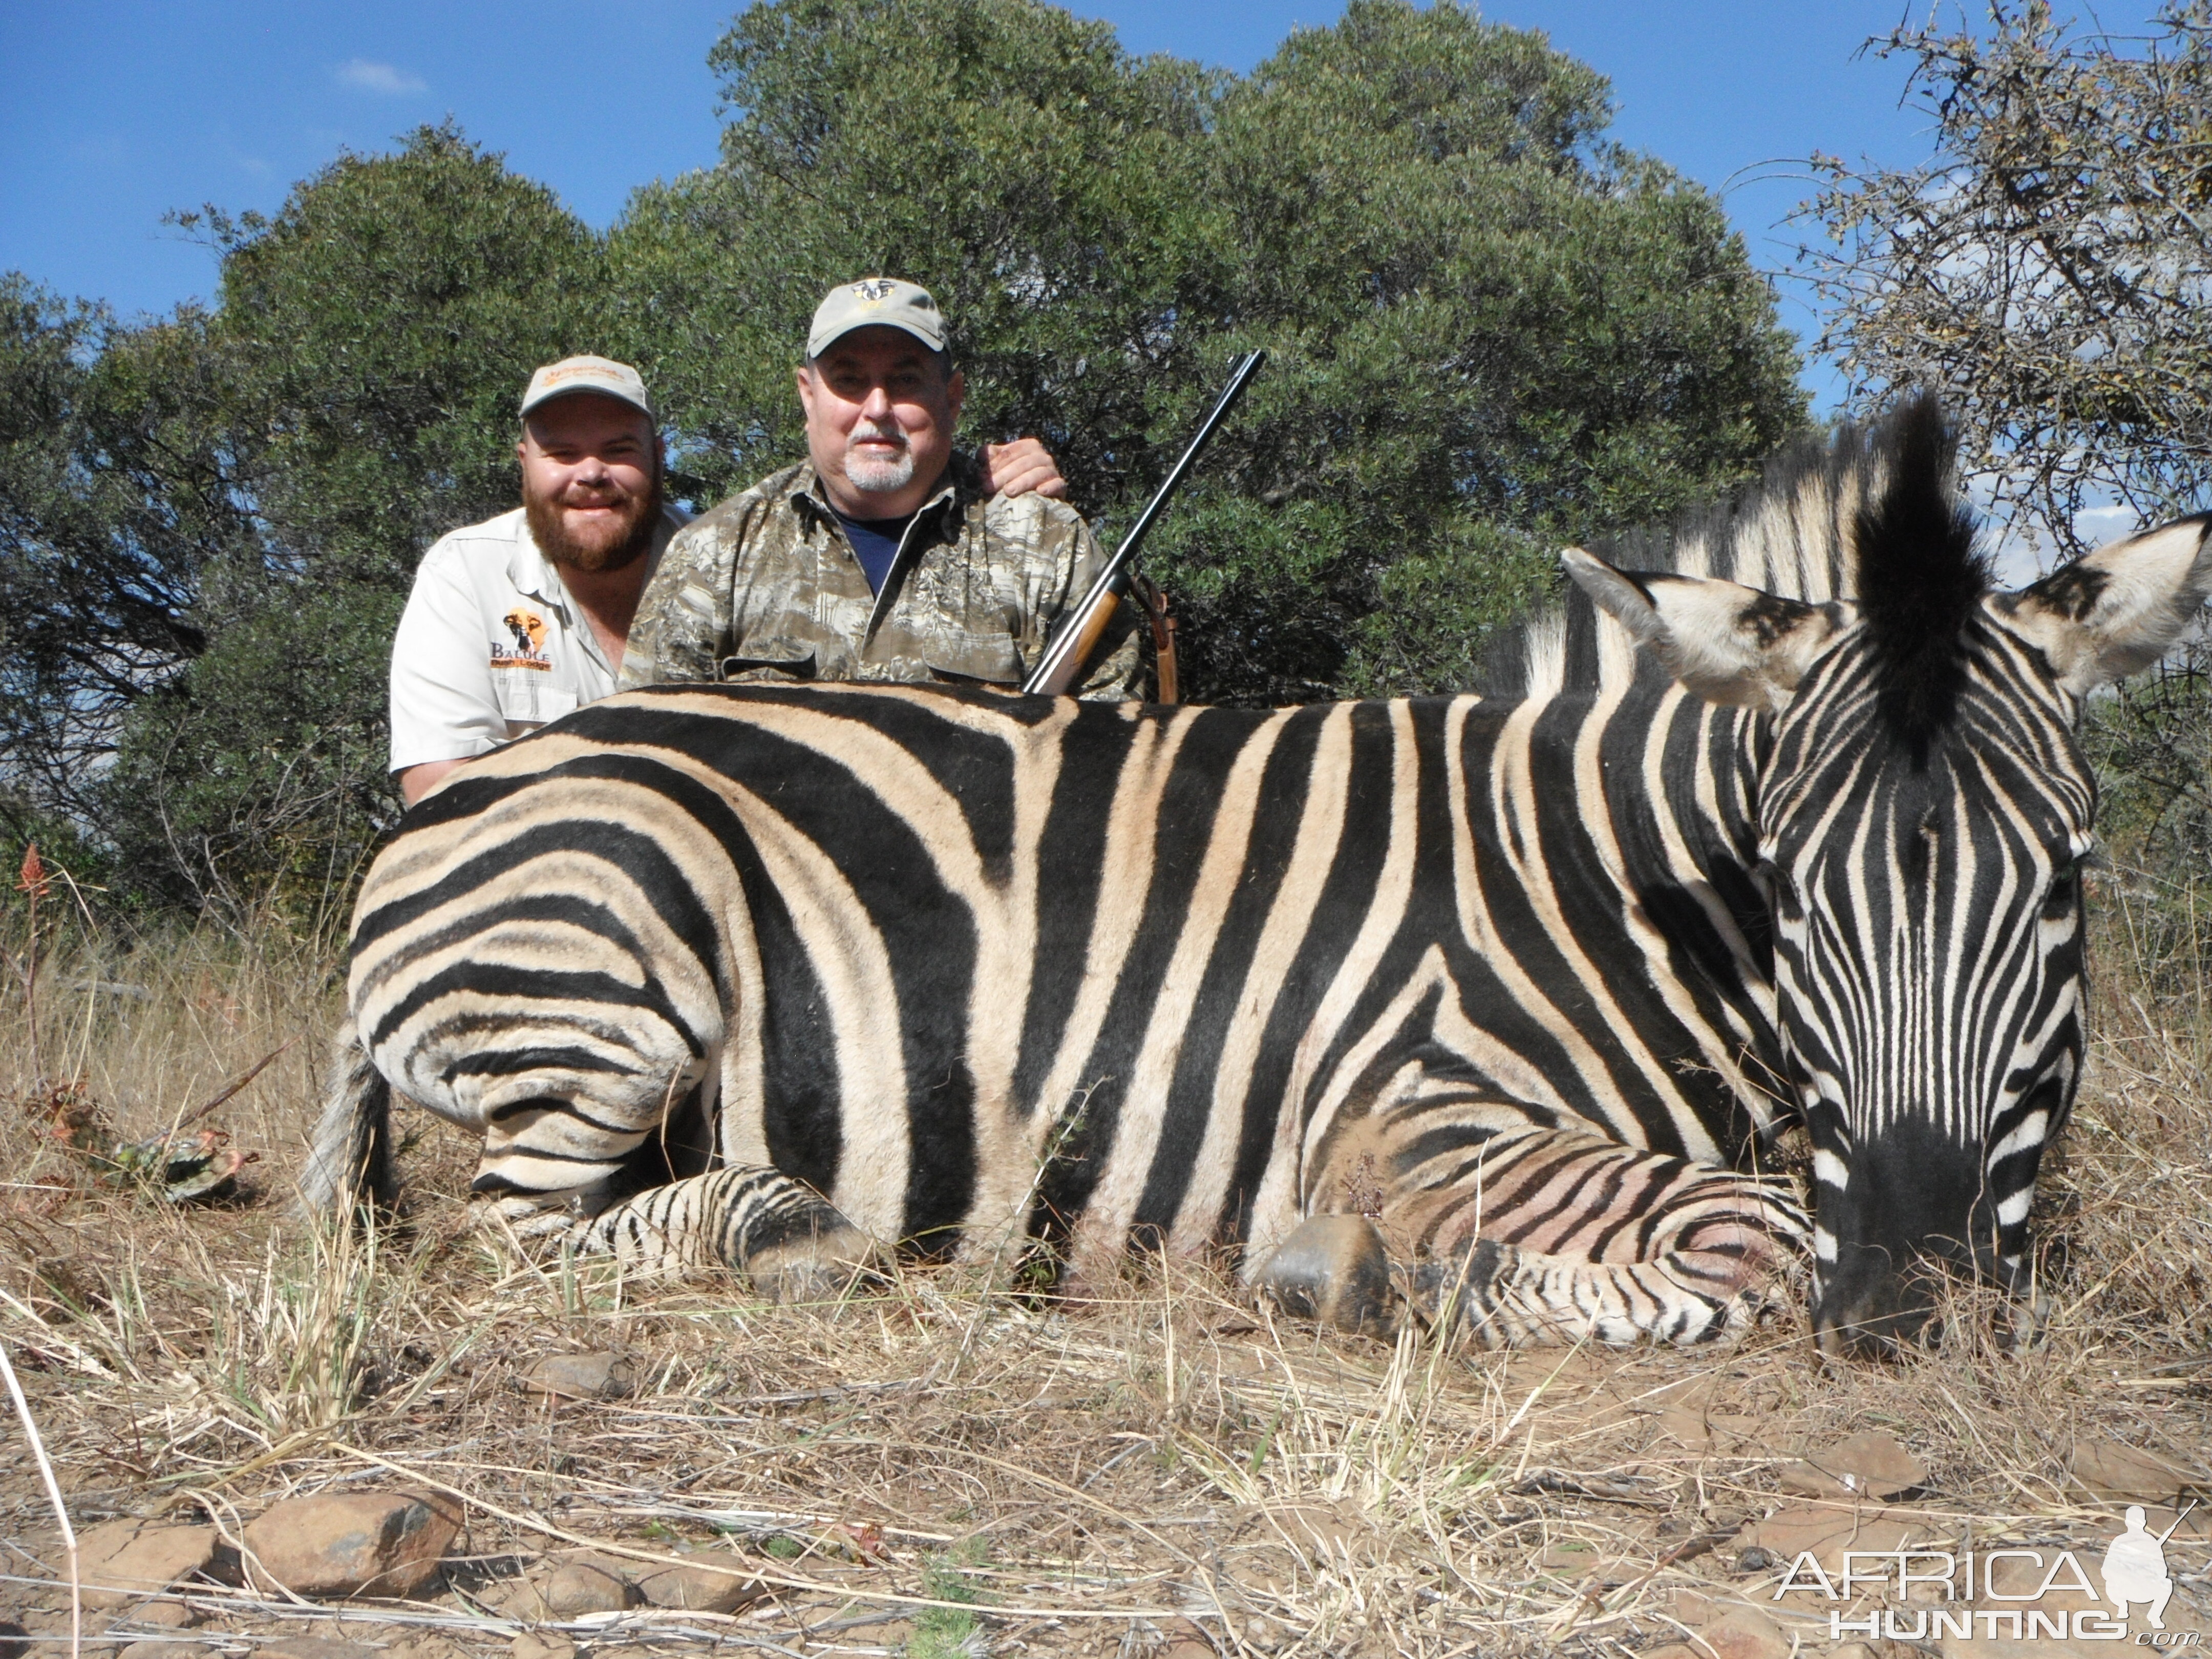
x: 525, y: 647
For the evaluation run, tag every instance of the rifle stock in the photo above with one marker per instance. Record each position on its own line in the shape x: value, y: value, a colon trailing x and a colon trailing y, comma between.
x: 1061, y: 669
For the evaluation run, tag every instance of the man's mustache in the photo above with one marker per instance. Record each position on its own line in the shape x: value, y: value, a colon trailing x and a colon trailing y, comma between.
x: 881, y: 435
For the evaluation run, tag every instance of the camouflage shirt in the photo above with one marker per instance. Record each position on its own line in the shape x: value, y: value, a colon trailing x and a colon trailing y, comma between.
x: 766, y: 587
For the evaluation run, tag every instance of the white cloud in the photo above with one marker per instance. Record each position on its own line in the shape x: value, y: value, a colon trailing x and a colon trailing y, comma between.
x: 2099, y: 525
x: 381, y: 78
x: 2022, y: 554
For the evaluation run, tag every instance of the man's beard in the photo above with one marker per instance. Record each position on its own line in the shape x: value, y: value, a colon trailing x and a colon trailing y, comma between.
x: 608, y: 545
x: 880, y: 475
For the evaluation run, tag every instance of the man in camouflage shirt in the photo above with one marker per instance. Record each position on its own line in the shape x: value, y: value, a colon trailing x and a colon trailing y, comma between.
x: 880, y: 558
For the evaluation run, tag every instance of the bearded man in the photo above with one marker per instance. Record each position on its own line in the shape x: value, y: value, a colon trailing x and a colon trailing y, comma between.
x: 520, y: 619
x: 885, y: 555
x: 516, y: 621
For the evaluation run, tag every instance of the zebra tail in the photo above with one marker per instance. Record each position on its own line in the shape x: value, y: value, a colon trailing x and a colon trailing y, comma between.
x: 350, y: 1159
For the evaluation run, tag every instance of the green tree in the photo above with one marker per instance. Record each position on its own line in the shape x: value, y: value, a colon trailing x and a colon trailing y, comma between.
x: 1495, y: 332
x: 118, y: 494
x: 383, y: 324
x: 1491, y: 329
x: 211, y: 523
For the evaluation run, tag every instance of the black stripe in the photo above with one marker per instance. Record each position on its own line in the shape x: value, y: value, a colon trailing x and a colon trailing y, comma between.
x: 532, y: 985
x: 1286, y: 786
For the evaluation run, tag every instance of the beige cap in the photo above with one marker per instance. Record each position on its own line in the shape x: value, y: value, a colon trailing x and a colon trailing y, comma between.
x: 600, y: 375
x: 871, y: 302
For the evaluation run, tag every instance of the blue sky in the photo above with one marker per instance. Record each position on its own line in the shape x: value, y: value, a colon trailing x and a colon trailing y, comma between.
x: 118, y: 111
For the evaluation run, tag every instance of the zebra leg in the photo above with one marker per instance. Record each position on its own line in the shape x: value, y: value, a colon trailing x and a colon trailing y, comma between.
x: 779, y: 1232
x: 1499, y: 1296
x: 570, y: 1132
x: 1549, y: 1236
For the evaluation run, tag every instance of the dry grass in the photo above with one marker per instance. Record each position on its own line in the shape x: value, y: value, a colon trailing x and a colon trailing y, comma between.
x: 940, y: 1466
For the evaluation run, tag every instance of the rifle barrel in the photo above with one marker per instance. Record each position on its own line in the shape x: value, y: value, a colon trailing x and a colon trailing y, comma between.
x: 2178, y: 1520
x: 1056, y: 672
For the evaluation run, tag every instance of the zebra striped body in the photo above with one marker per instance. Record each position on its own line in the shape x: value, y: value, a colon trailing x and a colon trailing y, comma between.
x: 1526, y: 980
x: 975, y: 969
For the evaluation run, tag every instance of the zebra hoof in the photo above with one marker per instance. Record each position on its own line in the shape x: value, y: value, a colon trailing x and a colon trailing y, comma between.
x: 1333, y: 1269
x: 2028, y: 1320
x: 816, y: 1267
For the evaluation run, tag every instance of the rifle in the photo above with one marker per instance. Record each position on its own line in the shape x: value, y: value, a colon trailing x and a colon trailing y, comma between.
x: 2170, y: 1531
x: 1078, y: 635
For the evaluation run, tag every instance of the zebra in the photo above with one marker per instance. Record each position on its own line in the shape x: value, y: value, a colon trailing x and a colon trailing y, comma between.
x: 1489, y: 1009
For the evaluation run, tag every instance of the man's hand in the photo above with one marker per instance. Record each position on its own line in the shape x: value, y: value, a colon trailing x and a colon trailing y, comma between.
x: 416, y: 780
x: 1020, y: 467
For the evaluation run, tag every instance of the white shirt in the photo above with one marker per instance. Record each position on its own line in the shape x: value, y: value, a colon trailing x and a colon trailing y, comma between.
x: 491, y: 645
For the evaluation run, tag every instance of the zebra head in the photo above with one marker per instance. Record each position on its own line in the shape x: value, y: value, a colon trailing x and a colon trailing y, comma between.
x: 1922, y: 810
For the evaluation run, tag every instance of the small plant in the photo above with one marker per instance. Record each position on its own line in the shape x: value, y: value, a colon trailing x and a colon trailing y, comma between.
x: 32, y: 883
x: 949, y: 1633
x: 291, y: 1341
x: 181, y: 1166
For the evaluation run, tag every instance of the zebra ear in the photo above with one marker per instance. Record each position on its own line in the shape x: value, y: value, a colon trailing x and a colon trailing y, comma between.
x: 2117, y: 610
x: 1725, y: 642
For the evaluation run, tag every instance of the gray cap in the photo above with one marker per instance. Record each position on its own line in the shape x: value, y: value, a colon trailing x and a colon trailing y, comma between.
x: 600, y: 375
x: 876, y: 302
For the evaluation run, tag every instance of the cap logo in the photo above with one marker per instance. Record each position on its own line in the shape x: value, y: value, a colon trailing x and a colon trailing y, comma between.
x: 875, y: 290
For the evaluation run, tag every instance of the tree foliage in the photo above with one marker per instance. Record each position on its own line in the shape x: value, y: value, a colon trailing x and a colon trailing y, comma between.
x: 2047, y: 267
x: 1497, y: 331
x: 119, y: 496
x: 1489, y: 327
x: 1491, y: 330
x: 211, y: 522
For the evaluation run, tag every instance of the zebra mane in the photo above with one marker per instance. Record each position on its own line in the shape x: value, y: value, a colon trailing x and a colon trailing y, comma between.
x: 1919, y: 576
x: 1864, y: 510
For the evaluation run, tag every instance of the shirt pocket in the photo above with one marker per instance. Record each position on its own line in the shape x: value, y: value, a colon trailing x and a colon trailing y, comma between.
x: 965, y: 657
x: 527, y: 699
x: 771, y: 660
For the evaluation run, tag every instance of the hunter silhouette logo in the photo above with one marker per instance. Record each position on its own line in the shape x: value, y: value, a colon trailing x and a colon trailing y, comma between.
x: 2134, y: 1566
x: 526, y: 646
x: 875, y: 290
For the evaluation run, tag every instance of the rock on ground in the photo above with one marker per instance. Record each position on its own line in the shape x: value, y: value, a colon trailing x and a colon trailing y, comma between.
x: 131, y: 1558
x: 696, y: 1587
x: 582, y: 1376
x: 1746, y: 1633
x: 585, y: 1582
x: 1864, y: 1466
x: 579, y: 1582
x: 172, y: 1615
x: 1830, y: 1530
x: 338, y: 1544
x: 2124, y: 1474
